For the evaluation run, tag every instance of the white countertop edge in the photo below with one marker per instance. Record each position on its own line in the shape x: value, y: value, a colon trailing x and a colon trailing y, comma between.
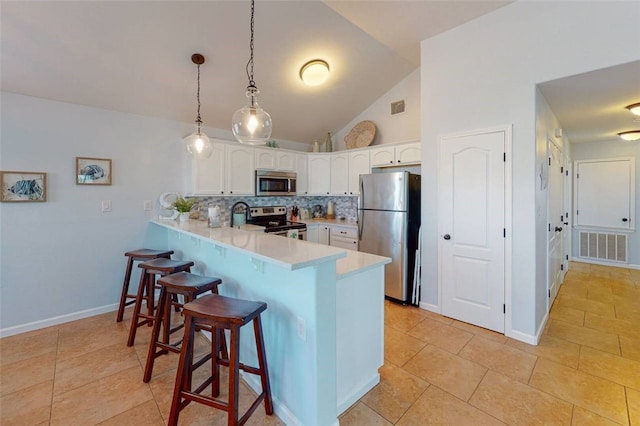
x: 356, y: 262
x: 317, y: 254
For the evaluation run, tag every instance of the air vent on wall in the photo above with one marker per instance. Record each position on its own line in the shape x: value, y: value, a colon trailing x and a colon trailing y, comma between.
x: 603, y: 246
x: 397, y: 107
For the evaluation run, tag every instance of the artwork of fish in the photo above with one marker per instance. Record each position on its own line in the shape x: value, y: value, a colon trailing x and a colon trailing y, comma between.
x: 27, y: 188
x: 91, y: 172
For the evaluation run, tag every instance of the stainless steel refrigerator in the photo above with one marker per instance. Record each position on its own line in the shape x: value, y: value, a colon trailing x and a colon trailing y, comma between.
x: 388, y: 222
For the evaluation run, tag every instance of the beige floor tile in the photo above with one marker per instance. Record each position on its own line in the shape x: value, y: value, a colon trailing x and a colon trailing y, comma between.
x: 29, y: 406
x: 100, y: 400
x: 450, y: 372
x: 28, y: 345
x: 579, y: 266
x: 604, y: 309
x: 482, y: 332
x: 622, y: 327
x: 582, y: 417
x: 78, y: 371
x: 630, y: 293
x: 26, y: 373
x: 570, y: 289
x: 444, y: 336
x: 395, y: 393
x: 399, y: 347
x: 402, y: 318
x: 592, y: 393
x: 437, y: 407
x: 360, y: 414
x: 584, y: 336
x: 630, y: 347
x: 516, y: 403
x: 504, y: 359
x: 570, y: 315
x: 602, y: 295
x: 627, y: 310
x: 551, y: 348
x: 146, y: 414
x: 81, y: 337
x: 633, y: 401
x: 611, y: 367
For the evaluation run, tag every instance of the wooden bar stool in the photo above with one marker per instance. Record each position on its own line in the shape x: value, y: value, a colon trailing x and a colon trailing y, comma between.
x: 146, y: 289
x: 220, y: 313
x: 136, y: 256
x: 182, y: 283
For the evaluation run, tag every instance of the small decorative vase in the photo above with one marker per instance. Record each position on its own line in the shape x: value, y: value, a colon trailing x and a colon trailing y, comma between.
x: 327, y: 143
x: 184, y: 216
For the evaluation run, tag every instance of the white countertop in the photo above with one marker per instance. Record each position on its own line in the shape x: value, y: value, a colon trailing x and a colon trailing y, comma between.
x: 288, y: 253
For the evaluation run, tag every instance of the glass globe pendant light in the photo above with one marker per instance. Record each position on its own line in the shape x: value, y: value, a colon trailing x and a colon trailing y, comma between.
x: 198, y: 144
x: 251, y: 124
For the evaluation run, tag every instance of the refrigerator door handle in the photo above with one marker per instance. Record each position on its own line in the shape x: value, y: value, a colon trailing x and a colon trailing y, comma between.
x: 360, y: 224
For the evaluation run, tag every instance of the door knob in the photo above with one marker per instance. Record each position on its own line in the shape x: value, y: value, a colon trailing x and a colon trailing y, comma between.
x: 558, y: 228
x: 447, y: 237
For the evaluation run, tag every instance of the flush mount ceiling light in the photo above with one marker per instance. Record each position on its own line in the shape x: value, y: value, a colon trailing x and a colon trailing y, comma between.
x: 314, y: 72
x: 198, y: 144
x: 251, y: 124
x: 631, y: 135
x: 634, y: 108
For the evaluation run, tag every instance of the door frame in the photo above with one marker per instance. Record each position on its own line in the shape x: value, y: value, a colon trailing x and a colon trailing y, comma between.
x: 508, y: 214
x: 563, y: 165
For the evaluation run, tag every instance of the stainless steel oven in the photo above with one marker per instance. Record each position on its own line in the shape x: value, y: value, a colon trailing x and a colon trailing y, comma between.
x: 302, y: 233
x: 270, y: 183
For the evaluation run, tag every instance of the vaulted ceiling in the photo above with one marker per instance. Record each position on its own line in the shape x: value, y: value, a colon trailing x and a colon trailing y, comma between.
x: 134, y: 56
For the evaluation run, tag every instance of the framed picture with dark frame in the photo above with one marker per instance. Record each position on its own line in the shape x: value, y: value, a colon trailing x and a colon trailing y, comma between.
x: 93, y: 171
x: 23, y: 186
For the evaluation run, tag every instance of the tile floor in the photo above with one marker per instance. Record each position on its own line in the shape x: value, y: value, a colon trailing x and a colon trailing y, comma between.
x: 585, y: 371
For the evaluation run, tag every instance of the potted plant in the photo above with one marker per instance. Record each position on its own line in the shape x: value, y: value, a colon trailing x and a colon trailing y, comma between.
x: 183, y: 206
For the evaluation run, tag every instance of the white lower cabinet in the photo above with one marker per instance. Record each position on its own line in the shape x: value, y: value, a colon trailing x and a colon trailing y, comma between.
x: 323, y: 234
x: 344, y: 237
x: 312, y: 233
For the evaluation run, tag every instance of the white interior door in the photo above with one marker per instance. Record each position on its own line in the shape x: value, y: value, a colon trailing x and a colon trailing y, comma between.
x: 555, y: 219
x: 471, y: 206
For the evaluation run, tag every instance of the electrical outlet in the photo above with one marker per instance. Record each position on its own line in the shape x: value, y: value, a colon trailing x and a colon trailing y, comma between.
x: 146, y: 205
x: 301, y: 326
x: 106, y: 205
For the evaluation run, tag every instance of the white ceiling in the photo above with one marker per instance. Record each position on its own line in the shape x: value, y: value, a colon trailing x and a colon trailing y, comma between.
x: 134, y: 56
x: 591, y: 106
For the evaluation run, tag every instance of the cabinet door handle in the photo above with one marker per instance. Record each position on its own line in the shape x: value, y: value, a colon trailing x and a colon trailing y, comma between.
x: 624, y: 219
x: 447, y: 237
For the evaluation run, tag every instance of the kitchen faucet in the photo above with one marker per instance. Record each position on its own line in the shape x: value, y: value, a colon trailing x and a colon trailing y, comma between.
x: 233, y: 209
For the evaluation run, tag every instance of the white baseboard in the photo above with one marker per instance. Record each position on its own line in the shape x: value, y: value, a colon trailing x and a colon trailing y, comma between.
x: 357, y: 394
x: 36, y: 325
x: 429, y: 307
x: 528, y: 338
x: 280, y: 409
x: 599, y: 262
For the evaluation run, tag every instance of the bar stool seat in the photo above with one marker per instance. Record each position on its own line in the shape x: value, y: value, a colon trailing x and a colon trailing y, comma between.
x: 221, y: 313
x: 146, y: 290
x: 138, y: 255
x: 189, y: 286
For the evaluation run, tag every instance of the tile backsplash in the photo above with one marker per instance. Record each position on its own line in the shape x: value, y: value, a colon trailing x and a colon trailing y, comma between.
x: 344, y: 206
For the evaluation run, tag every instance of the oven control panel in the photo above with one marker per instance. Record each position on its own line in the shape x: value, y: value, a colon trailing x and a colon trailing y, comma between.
x: 268, y: 211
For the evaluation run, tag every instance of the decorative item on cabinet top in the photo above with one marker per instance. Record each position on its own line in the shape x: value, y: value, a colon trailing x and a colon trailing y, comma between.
x: 361, y: 135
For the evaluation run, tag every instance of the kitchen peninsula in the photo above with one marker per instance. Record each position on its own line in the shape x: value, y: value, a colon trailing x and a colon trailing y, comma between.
x: 324, y: 325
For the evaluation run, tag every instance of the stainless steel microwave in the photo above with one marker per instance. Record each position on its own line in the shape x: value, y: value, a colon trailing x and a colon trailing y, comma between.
x: 271, y: 183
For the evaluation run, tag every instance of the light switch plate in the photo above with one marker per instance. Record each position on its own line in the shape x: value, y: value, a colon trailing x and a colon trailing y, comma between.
x: 146, y: 205
x: 106, y: 205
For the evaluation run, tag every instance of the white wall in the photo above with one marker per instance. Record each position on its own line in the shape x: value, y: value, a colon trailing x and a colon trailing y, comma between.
x: 612, y: 149
x: 64, y: 256
x: 483, y: 74
x: 390, y: 129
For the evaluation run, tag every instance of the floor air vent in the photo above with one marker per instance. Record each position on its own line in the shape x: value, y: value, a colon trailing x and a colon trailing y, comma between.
x: 603, y: 246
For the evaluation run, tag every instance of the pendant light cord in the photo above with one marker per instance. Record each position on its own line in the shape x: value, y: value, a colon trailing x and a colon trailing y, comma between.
x: 198, y: 119
x: 249, y: 66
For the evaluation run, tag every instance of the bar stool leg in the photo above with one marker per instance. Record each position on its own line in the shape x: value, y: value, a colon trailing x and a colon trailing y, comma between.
x: 136, y: 310
x: 160, y: 318
x: 264, y: 375
x: 234, y: 377
x: 125, y: 289
x: 183, y: 373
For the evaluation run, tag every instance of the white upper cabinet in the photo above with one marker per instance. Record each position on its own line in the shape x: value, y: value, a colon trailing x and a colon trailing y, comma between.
x: 339, y: 174
x: 358, y: 165
x: 302, y: 173
x: 286, y: 161
x: 265, y: 159
x: 396, y: 154
x: 271, y: 159
x: 207, y: 175
x: 319, y: 174
x: 240, y: 170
